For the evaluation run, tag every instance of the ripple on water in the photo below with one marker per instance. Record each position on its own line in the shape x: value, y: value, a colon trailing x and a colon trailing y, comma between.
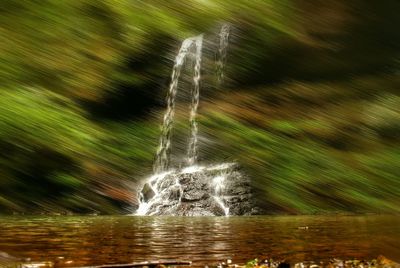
x: 204, y: 240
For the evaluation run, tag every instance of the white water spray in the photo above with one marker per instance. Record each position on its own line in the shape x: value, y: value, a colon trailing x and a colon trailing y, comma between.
x: 167, y: 190
x: 219, y: 185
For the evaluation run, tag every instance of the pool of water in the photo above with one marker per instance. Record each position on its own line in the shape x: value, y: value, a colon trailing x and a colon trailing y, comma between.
x: 91, y: 240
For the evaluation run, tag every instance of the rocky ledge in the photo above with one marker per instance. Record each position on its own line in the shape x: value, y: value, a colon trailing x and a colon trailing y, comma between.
x: 218, y: 190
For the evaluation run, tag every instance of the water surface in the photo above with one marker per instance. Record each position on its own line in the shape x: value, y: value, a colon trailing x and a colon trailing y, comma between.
x: 91, y: 240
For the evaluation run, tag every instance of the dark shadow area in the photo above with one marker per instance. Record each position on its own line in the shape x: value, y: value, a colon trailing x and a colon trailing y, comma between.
x: 129, y: 99
x: 39, y: 176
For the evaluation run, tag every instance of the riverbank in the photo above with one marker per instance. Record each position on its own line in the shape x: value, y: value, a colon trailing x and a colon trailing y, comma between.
x: 379, y: 262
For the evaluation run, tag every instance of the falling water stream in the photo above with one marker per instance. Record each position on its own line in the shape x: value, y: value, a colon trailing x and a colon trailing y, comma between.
x: 222, y: 52
x: 192, y: 150
x: 161, y: 162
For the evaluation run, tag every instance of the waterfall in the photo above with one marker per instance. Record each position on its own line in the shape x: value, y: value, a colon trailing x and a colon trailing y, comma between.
x: 222, y: 50
x: 214, y: 190
x: 161, y: 162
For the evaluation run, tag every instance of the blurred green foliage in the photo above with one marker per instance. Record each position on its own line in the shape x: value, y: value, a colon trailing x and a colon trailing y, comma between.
x: 309, y: 106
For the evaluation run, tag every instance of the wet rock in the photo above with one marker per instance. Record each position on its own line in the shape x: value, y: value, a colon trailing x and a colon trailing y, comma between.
x: 147, y: 192
x: 210, y: 191
x: 167, y: 182
x: 194, y: 195
x: 195, y: 189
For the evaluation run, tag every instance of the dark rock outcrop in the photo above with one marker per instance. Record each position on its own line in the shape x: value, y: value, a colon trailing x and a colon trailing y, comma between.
x: 199, y: 191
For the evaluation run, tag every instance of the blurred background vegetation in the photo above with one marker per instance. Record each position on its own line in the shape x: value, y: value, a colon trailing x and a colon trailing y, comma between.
x: 310, y: 105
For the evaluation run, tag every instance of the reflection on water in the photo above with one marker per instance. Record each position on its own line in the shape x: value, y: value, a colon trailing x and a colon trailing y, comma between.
x: 203, y: 240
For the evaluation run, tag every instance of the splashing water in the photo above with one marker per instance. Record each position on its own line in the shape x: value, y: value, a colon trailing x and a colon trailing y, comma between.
x: 161, y: 162
x: 219, y: 187
x: 166, y: 195
x: 154, y: 184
